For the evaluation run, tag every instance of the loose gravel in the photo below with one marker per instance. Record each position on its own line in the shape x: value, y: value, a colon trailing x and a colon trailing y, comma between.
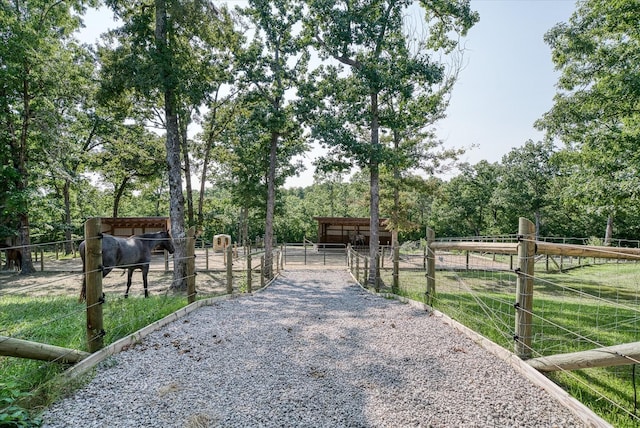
x: 313, y: 350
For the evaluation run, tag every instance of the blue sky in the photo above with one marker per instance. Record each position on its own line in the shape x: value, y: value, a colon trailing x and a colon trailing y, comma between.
x: 508, y: 80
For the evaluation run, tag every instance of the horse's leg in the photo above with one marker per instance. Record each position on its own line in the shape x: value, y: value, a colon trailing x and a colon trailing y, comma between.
x: 145, y: 271
x: 129, y: 275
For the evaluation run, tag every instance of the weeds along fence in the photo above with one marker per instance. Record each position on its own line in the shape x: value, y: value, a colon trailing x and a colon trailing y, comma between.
x: 569, y: 310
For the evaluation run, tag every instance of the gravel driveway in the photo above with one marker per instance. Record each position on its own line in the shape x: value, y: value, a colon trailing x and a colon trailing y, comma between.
x: 313, y: 350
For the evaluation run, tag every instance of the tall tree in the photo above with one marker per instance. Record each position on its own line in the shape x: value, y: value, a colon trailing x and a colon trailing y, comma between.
x: 526, y: 175
x: 369, y: 37
x: 273, y: 65
x: 75, y: 127
x: 158, y: 57
x: 463, y: 206
x: 33, y: 36
x: 596, y: 111
x: 129, y: 154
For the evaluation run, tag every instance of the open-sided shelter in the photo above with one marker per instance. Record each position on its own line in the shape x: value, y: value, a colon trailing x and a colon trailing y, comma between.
x: 128, y: 226
x: 345, y: 230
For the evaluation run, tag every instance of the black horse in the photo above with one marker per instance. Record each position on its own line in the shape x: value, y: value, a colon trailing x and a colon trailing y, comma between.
x: 128, y: 253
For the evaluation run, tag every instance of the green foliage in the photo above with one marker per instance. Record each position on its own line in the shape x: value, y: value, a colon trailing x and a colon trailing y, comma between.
x: 464, y: 206
x: 12, y: 415
x: 595, y: 111
x: 87, y: 151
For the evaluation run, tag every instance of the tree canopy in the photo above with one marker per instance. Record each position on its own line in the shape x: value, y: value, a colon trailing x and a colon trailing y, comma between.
x: 185, y: 90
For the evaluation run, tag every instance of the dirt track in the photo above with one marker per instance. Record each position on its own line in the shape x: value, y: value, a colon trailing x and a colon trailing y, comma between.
x: 64, y: 277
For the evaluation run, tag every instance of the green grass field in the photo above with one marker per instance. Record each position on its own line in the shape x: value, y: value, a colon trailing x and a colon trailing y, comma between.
x: 60, y: 321
x: 576, y: 310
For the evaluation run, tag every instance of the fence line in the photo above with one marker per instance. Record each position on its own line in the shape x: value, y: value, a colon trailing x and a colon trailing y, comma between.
x: 476, y: 282
x: 117, y: 319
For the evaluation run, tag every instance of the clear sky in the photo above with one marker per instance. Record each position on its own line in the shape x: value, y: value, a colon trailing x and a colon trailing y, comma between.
x: 508, y: 80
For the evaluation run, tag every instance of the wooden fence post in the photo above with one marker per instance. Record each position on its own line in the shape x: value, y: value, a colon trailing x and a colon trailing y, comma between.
x: 424, y: 254
x: 261, y: 271
x: 249, y: 273
x: 93, y: 278
x: 378, y: 279
x: 224, y: 255
x: 191, y: 264
x: 431, y: 268
x: 206, y: 257
x: 524, y: 287
x: 166, y: 261
x: 366, y: 271
x: 282, y: 258
x: 396, y: 268
x: 229, y: 265
x: 358, y: 267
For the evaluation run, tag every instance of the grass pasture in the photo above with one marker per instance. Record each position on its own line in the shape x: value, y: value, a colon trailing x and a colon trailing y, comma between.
x: 60, y: 321
x: 582, y: 308
x: 43, y: 307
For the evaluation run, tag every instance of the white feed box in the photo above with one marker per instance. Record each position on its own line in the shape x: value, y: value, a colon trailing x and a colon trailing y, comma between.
x: 220, y: 242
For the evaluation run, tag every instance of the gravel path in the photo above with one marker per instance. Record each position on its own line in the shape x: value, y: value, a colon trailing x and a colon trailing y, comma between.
x: 313, y: 350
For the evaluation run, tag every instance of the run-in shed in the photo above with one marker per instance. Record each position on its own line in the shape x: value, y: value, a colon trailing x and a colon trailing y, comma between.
x: 354, y: 230
x: 128, y: 226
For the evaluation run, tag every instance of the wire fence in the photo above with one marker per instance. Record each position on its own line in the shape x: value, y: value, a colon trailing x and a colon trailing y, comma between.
x: 41, y: 310
x: 579, y: 304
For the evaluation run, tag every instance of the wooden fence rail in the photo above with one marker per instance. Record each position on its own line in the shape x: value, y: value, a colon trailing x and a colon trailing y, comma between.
x: 11, y: 347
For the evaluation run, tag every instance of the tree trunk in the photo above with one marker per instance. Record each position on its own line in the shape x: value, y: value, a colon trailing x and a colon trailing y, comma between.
x: 271, y: 204
x: 187, y: 169
x: 374, y: 189
x: 244, y: 228
x: 537, y: 218
x: 203, y: 181
x: 206, y: 160
x: 118, y: 196
x: 172, y: 144
x: 25, y: 244
x: 66, y: 192
x: 23, y: 180
x: 396, y: 192
x: 609, y: 232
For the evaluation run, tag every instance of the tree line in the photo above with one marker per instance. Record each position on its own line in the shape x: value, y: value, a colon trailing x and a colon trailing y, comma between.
x: 108, y: 129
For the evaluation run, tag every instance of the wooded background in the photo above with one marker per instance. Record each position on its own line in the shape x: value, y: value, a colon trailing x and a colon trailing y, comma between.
x: 108, y: 129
